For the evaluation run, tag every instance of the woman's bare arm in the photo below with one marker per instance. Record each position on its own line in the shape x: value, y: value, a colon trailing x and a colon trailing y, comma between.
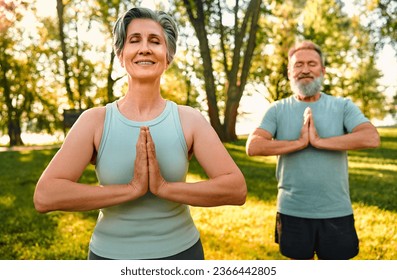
x: 58, y: 187
x: 226, y: 184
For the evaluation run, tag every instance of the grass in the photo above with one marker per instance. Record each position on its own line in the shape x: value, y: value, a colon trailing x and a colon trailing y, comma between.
x: 228, y: 232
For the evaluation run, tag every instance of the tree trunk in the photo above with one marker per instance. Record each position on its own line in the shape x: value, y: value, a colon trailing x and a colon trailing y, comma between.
x: 237, y: 76
x: 14, y: 132
x: 60, y: 8
x: 239, y: 73
x: 198, y: 21
x: 13, y: 120
x: 231, y: 113
x: 110, y: 83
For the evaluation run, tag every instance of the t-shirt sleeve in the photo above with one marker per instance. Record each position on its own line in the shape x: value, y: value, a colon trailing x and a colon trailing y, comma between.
x: 269, y: 120
x: 353, y: 116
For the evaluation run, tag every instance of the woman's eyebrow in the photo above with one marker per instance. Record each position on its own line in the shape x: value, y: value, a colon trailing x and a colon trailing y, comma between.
x: 137, y: 34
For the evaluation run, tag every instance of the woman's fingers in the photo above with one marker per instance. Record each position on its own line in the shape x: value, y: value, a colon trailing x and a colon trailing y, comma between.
x: 156, y: 180
x: 140, y: 180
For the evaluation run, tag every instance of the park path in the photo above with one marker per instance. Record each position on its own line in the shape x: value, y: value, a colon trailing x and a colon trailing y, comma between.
x: 27, y: 148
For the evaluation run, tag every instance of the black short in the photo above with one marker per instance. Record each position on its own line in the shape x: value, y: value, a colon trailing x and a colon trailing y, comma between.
x: 329, y: 239
x: 195, y: 252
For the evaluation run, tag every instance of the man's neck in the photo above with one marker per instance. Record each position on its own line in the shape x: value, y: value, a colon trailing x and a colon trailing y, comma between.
x: 304, y: 98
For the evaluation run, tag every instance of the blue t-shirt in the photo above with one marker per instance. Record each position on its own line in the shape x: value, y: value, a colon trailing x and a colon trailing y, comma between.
x: 148, y: 227
x: 313, y: 183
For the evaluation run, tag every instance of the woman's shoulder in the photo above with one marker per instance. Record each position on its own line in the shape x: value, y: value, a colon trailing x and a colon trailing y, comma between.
x: 90, y: 120
x: 95, y: 114
x: 95, y: 111
x: 193, y: 121
x: 189, y: 112
x: 193, y: 118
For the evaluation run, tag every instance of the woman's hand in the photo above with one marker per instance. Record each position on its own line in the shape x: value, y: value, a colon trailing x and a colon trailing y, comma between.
x: 156, y: 180
x: 140, y: 181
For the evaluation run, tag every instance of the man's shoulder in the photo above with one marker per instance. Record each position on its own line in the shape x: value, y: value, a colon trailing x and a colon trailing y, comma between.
x: 285, y: 100
x: 283, y: 103
x: 338, y: 100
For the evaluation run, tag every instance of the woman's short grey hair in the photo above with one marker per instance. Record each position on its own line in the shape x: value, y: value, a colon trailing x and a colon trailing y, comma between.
x: 165, y: 20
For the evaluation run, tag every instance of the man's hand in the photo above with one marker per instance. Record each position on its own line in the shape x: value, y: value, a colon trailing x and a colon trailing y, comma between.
x: 304, y: 136
x: 363, y: 136
x: 313, y: 136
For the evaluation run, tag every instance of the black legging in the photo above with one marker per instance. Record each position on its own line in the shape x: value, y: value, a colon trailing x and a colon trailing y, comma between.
x: 195, y: 252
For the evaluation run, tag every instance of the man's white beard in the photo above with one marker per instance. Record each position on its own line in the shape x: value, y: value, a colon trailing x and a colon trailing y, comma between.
x: 309, y: 89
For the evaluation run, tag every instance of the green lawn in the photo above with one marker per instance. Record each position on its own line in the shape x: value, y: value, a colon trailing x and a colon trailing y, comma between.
x: 227, y: 232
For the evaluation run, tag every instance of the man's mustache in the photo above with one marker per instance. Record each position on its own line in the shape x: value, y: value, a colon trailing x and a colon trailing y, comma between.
x: 305, y: 76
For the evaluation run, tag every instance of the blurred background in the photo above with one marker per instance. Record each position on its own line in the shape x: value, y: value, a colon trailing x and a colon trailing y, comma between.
x: 56, y: 59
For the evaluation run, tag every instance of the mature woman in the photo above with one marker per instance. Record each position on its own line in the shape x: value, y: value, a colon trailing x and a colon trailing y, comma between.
x: 141, y: 145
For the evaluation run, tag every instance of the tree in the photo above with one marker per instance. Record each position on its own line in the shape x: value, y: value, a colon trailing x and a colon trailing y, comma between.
x: 393, y: 106
x: 10, y: 99
x: 380, y: 17
x: 11, y: 69
x: 23, y: 99
x: 65, y: 57
x: 226, y: 52
x: 278, y: 35
x: 106, y: 14
x: 178, y: 85
x: 348, y: 49
x: 78, y: 65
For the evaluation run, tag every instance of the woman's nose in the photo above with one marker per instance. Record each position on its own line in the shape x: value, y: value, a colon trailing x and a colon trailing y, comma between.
x: 145, y: 49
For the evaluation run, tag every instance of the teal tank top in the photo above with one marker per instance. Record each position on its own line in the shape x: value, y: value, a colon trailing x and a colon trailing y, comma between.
x: 148, y: 227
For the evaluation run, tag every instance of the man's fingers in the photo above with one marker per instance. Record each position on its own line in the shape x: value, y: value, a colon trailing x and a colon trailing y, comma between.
x: 307, y: 115
x: 307, y: 111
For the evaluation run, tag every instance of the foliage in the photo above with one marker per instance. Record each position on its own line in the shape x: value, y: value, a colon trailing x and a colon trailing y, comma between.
x: 227, y: 39
x: 350, y: 68
x: 271, y: 61
x: 24, y: 97
x: 78, y: 63
x: 227, y: 232
x: 380, y: 16
x: 237, y: 49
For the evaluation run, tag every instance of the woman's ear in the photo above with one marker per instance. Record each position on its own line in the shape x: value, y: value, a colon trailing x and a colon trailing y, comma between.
x: 120, y: 57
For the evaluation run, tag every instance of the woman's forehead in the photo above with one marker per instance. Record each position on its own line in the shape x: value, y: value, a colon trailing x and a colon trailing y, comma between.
x: 144, y: 27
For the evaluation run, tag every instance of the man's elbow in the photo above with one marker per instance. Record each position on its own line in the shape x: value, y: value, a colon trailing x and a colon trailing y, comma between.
x: 250, y: 150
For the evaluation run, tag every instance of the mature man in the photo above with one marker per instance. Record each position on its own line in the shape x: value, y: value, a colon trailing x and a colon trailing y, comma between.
x: 311, y: 133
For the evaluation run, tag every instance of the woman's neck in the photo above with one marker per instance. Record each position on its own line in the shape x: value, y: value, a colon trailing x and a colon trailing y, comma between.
x: 142, y: 102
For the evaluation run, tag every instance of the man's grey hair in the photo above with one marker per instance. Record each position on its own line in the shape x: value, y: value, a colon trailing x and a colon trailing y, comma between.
x: 306, y: 45
x: 165, y: 20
